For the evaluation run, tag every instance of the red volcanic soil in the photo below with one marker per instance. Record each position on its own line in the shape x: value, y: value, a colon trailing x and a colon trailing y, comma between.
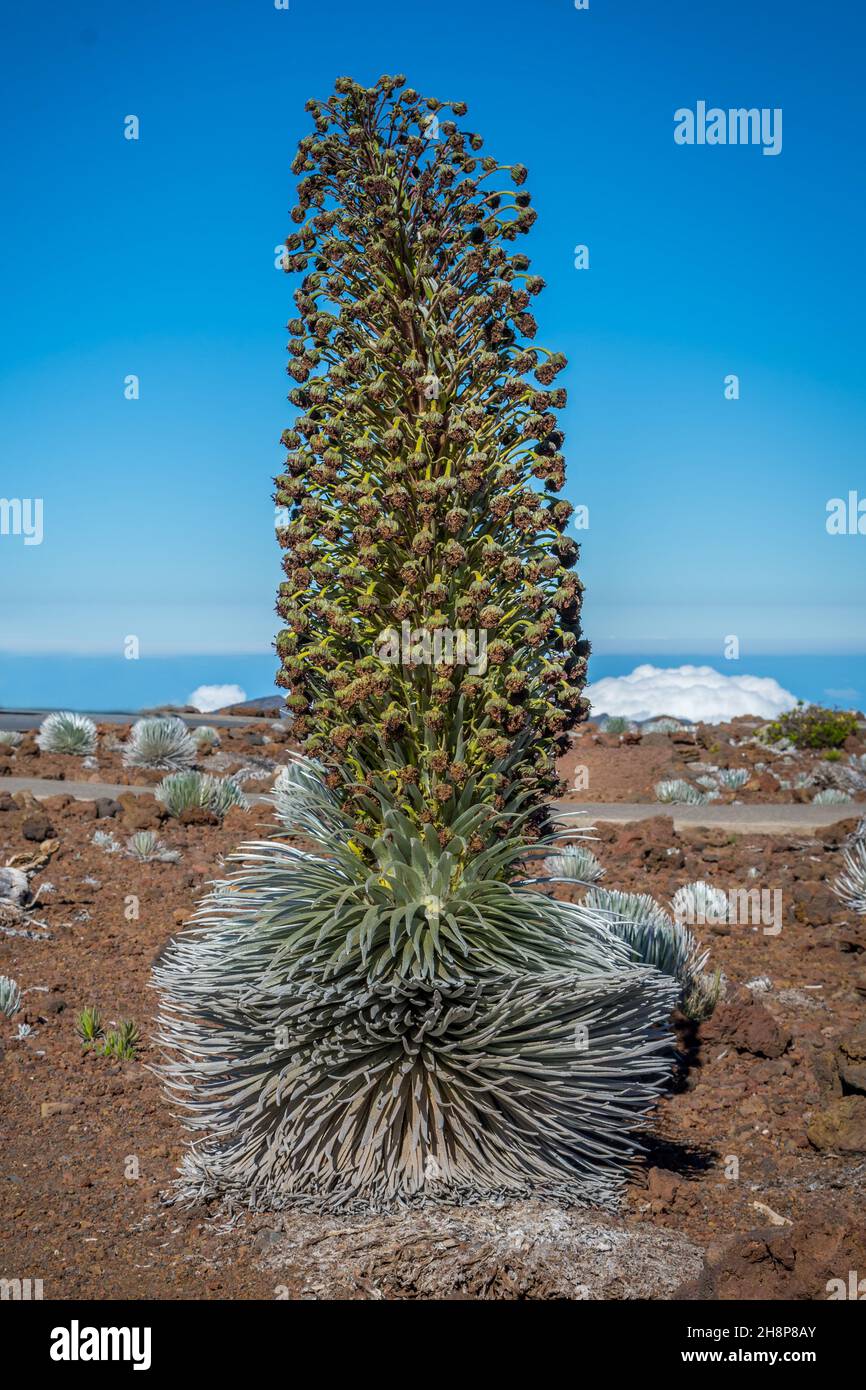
x: 752, y: 1184
x: 614, y: 767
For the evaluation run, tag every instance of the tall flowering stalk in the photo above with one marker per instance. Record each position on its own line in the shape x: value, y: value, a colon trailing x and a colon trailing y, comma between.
x: 423, y: 468
x: 394, y: 1012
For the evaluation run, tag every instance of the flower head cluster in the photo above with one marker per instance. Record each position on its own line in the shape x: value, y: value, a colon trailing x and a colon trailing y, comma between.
x: 423, y: 467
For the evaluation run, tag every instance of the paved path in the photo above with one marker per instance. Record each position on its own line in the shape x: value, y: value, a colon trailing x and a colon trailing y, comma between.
x: 768, y: 819
x: 747, y: 820
x: 40, y: 787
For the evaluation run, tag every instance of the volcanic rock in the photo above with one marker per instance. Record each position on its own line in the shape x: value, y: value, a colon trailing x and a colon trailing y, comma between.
x: 787, y: 1262
x: 841, y: 1128
x: 37, y: 827
x: 851, y: 1058
x: 748, y: 1026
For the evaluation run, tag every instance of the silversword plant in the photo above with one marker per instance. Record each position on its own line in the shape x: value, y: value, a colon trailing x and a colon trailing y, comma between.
x: 616, y: 724
x: 10, y: 996
x: 66, y: 732
x: 380, y: 1005
x: 700, y: 903
x: 147, y: 848
x: 104, y: 840
x: 733, y: 778
x: 652, y: 936
x: 185, y: 791
x: 161, y: 743
x: 850, y: 885
x: 575, y: 863
x: 206, y: 736
x: 676, y: 790
x: 831, y: 796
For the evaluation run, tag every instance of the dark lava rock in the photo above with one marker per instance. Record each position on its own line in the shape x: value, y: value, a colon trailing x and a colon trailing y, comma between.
x: 141, y: 812
x: 851, y: 1060
x: 841, y: 1128
x: 746, y: 1025
x: 826, y: 1073
x: 835, y: 835
x: 37, y: 827
x: 814, y: 902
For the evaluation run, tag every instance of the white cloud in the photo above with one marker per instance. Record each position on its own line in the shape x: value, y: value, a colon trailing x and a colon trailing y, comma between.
x: 210, y: 697
x: 688, y: 692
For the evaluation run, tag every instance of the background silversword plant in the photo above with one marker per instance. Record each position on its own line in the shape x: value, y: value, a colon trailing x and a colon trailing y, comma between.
x: 850, y: 886
x: 206, y: 735
x: 65, y: 732
x: 185, y: 791
x: 378, y: 1005
x: 10, y: 996
x: 677, y: 790
x: 654, y: 938
x: 160, y: 743
x: 147, y: 847
x: 14, y: 886
x: 616, y: 724
x: 574, y: 863
x: 733, y: 778
x: 700, y: 902
x: 104, y: 840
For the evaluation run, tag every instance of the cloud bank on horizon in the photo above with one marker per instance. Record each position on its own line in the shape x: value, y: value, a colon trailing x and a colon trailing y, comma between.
x: 207, y: 698
x: 697, y: 693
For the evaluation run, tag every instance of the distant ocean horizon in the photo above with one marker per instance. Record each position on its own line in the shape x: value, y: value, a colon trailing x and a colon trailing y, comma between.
x: 111, y: 683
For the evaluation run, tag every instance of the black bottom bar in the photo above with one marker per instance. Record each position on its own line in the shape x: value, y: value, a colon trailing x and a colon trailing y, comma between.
x: 207, y: 1337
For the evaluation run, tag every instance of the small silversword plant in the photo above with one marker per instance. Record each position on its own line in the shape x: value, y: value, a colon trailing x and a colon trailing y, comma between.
x: 162, y: 744
x: 67, y: 733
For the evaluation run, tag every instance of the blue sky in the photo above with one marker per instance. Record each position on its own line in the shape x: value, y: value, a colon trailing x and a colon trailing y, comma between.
x: 156, y: 257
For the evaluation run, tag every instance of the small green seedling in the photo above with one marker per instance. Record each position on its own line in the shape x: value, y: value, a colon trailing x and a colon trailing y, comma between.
x: 88, y: 1026
x: 122, y: 1041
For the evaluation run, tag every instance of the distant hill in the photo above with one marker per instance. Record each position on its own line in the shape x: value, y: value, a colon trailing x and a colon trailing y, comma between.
x: 266, y: 705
